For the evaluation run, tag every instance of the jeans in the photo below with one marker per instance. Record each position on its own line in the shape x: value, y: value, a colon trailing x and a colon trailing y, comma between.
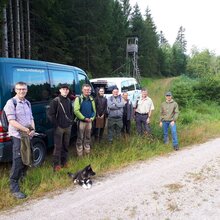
x: 166, y: 125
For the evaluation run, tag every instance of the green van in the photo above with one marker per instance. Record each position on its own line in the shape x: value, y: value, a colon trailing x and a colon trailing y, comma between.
x: 43, y: 79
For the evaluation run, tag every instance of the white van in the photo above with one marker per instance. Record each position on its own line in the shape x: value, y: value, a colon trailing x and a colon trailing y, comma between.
x: 124, y: 84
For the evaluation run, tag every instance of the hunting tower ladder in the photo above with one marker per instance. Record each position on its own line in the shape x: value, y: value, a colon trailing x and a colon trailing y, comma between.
x: 132, y: 56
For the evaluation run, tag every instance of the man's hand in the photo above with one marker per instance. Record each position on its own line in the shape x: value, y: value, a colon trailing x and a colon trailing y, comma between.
x: 27, y: 130
x: 87, y: 119
x: 31, y: 133
x: 172, y: 123
x: 148, y: 120
x: 161, y: 124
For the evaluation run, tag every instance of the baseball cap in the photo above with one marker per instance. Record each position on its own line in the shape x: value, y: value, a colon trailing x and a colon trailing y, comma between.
x: 168, y: 94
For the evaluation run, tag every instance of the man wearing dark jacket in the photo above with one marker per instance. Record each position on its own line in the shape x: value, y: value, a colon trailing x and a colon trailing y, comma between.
x: 127, y: 114
x: 60, y: 114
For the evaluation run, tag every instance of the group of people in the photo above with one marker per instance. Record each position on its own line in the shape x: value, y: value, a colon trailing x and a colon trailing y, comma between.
x: 91, y: 115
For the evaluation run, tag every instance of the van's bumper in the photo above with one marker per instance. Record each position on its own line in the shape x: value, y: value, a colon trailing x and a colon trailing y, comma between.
x: 6, y: 151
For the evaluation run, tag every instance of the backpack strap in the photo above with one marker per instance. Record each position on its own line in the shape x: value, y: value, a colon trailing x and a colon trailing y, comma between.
x: 80, y: 100
x: 15, y: 102
x: 60, y: 104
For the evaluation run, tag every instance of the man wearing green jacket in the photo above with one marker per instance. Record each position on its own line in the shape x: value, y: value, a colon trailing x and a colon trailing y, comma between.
x: 168, y: 116
x: 85, y: 111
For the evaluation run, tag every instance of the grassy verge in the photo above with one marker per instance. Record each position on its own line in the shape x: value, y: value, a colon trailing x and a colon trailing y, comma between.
x: 195, y: 125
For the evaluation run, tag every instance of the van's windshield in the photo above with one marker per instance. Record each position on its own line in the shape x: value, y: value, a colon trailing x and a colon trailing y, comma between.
x: 108, y: 86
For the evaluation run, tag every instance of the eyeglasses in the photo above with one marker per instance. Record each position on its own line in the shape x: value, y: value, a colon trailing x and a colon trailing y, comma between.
x: 21, y: 89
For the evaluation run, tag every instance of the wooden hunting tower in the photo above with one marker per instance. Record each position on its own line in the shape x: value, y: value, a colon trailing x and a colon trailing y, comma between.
x: 132, y: 56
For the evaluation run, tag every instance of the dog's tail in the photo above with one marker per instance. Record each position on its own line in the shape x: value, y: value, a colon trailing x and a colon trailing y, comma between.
x: 72, y: 175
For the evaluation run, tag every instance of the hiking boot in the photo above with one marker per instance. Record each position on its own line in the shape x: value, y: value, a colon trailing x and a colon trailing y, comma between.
x: 79, y: 150
x: 65, y: 165
x: 57, y: 168
x: 176, y: 147
x: 87, y: 149
x: 19, y: 195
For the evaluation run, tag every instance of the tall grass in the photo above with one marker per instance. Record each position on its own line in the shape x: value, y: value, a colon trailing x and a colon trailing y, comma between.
x: 196, y: 124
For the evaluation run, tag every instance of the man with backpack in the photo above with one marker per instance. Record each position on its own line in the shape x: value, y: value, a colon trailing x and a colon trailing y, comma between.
x: 21, y: 122
x: 60, y: 114
x: 85, y: 111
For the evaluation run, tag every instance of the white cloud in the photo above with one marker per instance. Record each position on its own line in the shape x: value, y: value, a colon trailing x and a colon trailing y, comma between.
x: 199, y: 17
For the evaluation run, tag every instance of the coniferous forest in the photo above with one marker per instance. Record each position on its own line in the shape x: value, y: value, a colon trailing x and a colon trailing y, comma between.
x: 90, y: 34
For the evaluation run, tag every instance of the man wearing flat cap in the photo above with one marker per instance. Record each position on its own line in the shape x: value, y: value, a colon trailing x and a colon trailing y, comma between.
x: 168, y: 116
x: 60, y: 114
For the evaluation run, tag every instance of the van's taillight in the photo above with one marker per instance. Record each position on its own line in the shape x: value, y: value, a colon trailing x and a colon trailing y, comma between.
x: 3, y: 135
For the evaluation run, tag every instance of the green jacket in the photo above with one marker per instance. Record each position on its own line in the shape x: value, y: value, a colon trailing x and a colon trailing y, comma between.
x: 77, y: 107
x: 169, y: 111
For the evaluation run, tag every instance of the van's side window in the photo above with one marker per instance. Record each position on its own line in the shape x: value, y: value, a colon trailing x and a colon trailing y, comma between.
x: 127, y: 85
x: 138, y: 86
x: 37, y: 81
x: 131, y: 85
x: 82, y: 80
x: 58, y: 77
x: 124, y: 86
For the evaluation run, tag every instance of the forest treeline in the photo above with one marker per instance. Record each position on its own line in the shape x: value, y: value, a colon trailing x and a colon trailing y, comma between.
x: 91, y: 34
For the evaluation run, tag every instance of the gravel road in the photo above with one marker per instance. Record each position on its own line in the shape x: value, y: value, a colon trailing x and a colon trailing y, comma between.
x: 181, y: 185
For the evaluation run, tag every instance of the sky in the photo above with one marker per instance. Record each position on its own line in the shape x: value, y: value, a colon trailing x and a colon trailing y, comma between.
x: 200, y: 18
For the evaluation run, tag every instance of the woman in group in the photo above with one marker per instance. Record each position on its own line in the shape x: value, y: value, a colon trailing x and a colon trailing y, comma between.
x: 101, y: 114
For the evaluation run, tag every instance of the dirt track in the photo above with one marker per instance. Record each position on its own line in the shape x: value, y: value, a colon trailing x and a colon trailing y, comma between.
x: 182, y: 185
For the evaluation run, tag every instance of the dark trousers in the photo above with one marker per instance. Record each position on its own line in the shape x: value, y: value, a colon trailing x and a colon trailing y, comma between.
x: 99, y: 133
x: 114, y: 128
x: 61, y: 143
x: 141, y: 123
x: 18, y: 169
x: 126, y: 125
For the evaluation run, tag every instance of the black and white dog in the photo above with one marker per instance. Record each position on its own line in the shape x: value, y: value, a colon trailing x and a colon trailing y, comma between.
x: 83, y: 177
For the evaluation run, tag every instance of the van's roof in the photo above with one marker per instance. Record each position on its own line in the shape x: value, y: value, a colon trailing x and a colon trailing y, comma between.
x: 33, y: 62
x: 115, y: 79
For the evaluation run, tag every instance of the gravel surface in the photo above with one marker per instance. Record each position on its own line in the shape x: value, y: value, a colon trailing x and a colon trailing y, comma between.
x: 182, y: 185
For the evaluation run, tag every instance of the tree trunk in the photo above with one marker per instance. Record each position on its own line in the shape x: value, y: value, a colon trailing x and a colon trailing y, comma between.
x: 11, y: 26
x: 17, y: 30
x: 28, y: 30
x: 22, y: 29
x: 5, y: 34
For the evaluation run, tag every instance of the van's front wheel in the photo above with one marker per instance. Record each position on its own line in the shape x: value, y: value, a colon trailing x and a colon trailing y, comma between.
x: 39, y: 151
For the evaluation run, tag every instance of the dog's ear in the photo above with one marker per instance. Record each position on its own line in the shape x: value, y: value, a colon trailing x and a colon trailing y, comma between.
x: 87, y: 167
